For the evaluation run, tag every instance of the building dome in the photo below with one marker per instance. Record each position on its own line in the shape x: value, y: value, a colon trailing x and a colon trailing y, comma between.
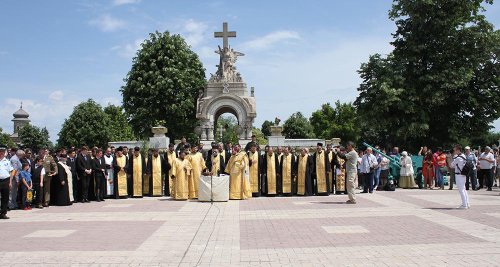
x: 21, y: 113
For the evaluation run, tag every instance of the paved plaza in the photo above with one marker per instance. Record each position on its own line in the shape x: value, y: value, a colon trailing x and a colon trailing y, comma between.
x: 402, y: 228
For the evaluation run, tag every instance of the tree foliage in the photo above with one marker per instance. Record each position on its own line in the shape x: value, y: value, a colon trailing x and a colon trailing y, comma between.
x: 34, y: 137
x: 229, y: 125
x: 339, y: 121
x: 266, y: 128
x: 91, y: 125
x: 5, y: 139
x: 118, y: 127
x: 297, y: 126
x: 163, y: 85
x: 441, y: 82
x: 261, y: 138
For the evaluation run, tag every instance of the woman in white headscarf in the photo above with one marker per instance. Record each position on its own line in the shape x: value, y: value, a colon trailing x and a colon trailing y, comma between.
x: 406, y: 172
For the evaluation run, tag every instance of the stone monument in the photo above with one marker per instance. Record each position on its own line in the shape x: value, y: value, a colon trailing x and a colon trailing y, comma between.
x: 226, y: 92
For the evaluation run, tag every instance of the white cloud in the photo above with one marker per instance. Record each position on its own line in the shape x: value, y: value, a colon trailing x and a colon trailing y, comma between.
x: 56, y: 95
x: 107, y: 23
x: 311, y: 74
x: 128, y: 50
x: 194, y: 32
x: 125, y: 2
x: 271, y: 39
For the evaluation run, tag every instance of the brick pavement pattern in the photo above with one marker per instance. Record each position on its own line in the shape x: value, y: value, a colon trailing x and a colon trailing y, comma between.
x: 401, y: 228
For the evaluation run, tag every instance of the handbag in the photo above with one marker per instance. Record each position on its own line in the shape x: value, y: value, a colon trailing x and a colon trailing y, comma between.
x: 29, y: 196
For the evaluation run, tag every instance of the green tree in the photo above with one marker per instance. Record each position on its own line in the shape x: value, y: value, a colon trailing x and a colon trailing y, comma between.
x: 5, y: 139
x: 341, y: 121
x: 266, y: 128
x: 87, y: 125
x: 229, y: 125
x: 119, y: 127
x: 261, y: 139
x: 439, y: 79
x: 163, y: 85
x: 297, y: 126
x: 382, y: 104
x: 34, y: 137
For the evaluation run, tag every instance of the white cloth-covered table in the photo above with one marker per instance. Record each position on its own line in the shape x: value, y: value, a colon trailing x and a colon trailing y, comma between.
x: 219, y: 186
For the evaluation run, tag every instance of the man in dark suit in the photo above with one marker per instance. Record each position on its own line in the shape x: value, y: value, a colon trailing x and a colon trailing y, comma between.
x: 100, y: 175
x: 224, y: 153
x: 71, y: 162
x: 84, y: 170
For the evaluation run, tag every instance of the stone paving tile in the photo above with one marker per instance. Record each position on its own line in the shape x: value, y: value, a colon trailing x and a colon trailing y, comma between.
x: 82, y: 236
x: 289, y: 233
x: 297, y: 203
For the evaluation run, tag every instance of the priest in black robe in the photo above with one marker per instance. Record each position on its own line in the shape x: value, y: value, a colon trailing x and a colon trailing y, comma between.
x: 304, y: 167
x: 215, y: 162
x: 288, y: 172
x: 157, y: 169
x: 321, y: 170
x: 120, y: 165
x: 63, y: 183
x: 270, y: 173
x: 255, y: 167
x: 137, y: 161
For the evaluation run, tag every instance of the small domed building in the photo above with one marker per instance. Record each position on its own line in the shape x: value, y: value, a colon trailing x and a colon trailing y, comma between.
x: 21, y: 119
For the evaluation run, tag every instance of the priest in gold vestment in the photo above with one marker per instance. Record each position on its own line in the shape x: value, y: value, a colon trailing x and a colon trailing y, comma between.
x: 181, y: 170
x: 137, y: 170
x: 239, y: 181
x: 287, y: 166
x: 170, y: 156
x: 340, y: 173
x: 320, y: 171
x: 304, y: 170
x: 331, y: 175
x: 157, y: 168
x: 254, y: 163
x: 120, y: 165
x: 215, y: 162
x: 198, y: 165
x: 270, y: 173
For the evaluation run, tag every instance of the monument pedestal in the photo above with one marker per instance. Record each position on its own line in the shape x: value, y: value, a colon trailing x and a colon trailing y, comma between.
x: 159, y: 140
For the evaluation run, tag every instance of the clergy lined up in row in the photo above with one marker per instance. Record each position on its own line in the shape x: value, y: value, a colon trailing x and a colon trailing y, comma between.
x: 71, y: 176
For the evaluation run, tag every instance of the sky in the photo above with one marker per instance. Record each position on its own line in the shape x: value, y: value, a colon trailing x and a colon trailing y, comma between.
x: 298, y: 54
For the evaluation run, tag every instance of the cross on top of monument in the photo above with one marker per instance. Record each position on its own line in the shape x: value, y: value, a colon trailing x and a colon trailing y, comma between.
x: 225, y: 35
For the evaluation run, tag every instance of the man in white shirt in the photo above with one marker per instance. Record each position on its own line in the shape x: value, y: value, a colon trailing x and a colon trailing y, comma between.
x: 485, y: 174
x: 6, y: 175
x: 472, y: 177
x: 459, y: 160
x: 368, y: 165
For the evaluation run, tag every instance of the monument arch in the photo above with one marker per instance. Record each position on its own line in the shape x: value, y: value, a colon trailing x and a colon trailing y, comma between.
x: 226, y: 92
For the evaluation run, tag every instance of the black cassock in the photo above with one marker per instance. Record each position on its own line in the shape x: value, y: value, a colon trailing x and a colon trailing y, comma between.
x: 116, y: 170
x: 308, y: 183
x: 131, y: 173
x: 293, y: 174
x: 165, y: 168
x: 222, y: 165
x: 265, y: 190
x: 62, y: 190
x: 314, y: 174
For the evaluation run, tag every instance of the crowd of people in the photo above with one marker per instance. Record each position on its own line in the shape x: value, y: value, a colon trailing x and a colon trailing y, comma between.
x: 66, y: 176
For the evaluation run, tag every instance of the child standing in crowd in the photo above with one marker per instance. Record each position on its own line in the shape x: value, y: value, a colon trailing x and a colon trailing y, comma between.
x: 26, y: 184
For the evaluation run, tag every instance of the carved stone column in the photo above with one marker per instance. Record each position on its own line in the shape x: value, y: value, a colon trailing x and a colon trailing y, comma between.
x: 211, y: 133
x: 204, y: 133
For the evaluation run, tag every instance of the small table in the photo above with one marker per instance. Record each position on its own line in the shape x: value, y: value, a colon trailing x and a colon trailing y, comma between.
x: 214, y: 188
